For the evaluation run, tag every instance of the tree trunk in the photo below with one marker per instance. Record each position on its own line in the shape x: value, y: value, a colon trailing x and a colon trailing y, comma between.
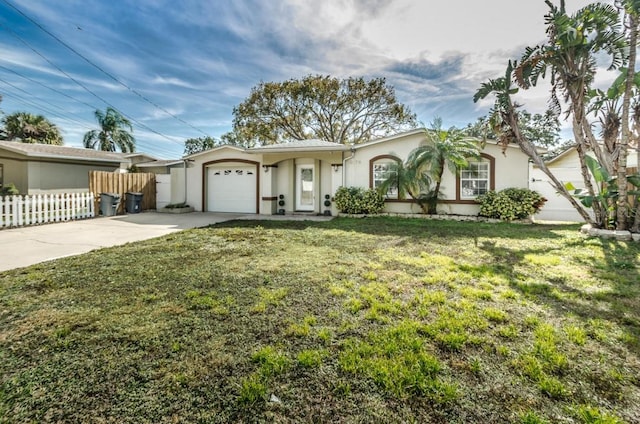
x: 530, y: 150
x: 622, y: 206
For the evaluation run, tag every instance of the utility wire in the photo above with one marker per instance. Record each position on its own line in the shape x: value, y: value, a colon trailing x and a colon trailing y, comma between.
x: 62, y: 93
x: 43, y: 108
x: 84, y: 86
x: 139, y: 143
x: 100, y: 68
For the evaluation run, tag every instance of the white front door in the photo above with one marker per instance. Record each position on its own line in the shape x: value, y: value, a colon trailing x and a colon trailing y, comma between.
x: 305, y: 194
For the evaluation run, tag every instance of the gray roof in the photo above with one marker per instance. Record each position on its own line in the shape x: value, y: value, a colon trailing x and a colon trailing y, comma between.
x: 61, y: 152
x: 309, y: 144
x: 159, y: 162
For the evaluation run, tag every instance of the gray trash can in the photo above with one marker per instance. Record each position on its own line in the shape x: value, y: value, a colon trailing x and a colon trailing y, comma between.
x: 133, y: 202
x: 109, y: 203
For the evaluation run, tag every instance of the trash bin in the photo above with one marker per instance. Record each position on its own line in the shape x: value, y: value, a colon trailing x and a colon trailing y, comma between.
x: 109, y: 203
x: 133, y: 202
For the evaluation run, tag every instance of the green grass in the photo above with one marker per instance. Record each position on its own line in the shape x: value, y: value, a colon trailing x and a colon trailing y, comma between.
x: 352, y: 320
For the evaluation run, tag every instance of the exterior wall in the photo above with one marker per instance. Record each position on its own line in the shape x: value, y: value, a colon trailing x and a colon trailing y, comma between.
x: 196, y: 172
x: 15, y: 172
x: 284, y: 184
x: 283, y: 179
x: 557, y: 208
x: 52, y: 177
x: 508, y: 170
x: 177, y: 185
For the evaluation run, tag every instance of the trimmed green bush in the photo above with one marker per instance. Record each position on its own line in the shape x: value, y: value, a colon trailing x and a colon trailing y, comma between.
x: 356, y: 200
x: 510, y: 203
x: 9, y: 190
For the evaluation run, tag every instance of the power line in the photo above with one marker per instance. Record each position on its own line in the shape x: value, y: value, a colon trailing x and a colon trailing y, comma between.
x: 62, y: 93
x: 100, y: 68
x: 37, y: 106
x: 139, y: 143
x: 82, y: 85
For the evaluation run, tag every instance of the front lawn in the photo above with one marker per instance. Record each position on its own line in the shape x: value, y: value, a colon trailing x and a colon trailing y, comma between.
x: 353, y: 320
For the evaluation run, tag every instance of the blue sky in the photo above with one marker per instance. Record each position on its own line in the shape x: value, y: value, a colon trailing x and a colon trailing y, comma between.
x: 177, y: 68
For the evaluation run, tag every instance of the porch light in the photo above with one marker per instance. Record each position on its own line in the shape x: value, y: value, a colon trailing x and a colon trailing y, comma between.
x: 336, y: 166
x: 266, y: 168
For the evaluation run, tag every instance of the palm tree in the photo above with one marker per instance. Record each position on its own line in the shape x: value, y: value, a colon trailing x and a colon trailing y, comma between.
x: 504, y: 122
x: 30, y: 128
x: 444, y: 148
x: 409, y: 181
x: 569, y: 57
x: 113, y: 134
x: 420, y: 175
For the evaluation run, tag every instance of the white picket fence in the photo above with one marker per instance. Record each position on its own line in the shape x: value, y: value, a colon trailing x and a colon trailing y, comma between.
x: 18, y: 211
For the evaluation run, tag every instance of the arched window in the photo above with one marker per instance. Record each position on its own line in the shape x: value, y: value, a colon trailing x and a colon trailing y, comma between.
x: 381, y: 169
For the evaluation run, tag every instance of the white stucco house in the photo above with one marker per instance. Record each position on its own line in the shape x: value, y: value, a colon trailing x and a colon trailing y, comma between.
x: 300, y: 176
x: 566, y: 168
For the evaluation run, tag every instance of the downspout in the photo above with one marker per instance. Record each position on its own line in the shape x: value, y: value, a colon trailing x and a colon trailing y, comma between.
x: 344, y: 166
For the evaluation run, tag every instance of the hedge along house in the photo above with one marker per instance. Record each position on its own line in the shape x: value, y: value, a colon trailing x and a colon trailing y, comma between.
x: 300, y: 176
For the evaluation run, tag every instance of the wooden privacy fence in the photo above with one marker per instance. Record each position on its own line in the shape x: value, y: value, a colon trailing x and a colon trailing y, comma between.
x: 17, y: 211
x: 110, y: 182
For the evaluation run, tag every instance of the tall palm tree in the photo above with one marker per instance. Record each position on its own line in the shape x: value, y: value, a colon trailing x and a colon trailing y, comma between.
x: 444, y: 148
x: 114, y: 133
x: 503, y: 120
x: 29, y: 128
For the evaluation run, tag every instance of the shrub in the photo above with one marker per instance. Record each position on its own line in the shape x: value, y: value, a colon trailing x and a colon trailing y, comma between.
x: 9, y: 190
x: 510, y: 203
x: 356, y: 200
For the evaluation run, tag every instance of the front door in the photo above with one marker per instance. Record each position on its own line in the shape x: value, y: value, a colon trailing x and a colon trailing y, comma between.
x: 305, y: 196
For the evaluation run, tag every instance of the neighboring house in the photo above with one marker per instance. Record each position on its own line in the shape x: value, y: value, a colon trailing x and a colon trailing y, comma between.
x: 304, y: 173
x: 566, y: 168
x: 44, y: 168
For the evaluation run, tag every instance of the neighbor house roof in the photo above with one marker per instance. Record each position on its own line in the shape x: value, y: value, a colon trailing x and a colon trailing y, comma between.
x: 155, y: 163
x: 61, y: 152
x: 298, y: 145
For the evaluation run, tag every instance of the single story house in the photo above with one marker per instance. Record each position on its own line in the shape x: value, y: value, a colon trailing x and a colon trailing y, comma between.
x: 44, y: 168
x: 566, y: 168
x: 300, y: 176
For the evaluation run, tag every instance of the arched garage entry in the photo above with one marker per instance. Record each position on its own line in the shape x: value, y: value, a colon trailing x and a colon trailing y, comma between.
x: 231, y: 185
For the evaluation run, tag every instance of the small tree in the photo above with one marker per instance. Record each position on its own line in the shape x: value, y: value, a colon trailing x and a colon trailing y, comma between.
x: 420, y: 176
x: 444, y: 149
x: 409, y: 181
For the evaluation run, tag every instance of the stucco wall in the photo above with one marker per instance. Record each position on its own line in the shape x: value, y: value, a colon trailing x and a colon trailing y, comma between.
x: 557, y: 208
x: 510, y: 170
x: 51, y: 177
x: 196, y: 171
x: 15, y: 172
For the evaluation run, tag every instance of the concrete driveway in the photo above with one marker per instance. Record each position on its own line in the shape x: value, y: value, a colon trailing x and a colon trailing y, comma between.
x: 31, y: 245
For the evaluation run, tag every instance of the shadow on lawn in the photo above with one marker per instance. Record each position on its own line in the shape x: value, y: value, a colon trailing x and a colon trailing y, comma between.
x: 415, y: 229
x: 619, y: 268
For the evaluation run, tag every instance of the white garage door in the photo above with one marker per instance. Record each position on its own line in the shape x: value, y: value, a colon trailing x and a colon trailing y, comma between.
x: 231, y: 188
